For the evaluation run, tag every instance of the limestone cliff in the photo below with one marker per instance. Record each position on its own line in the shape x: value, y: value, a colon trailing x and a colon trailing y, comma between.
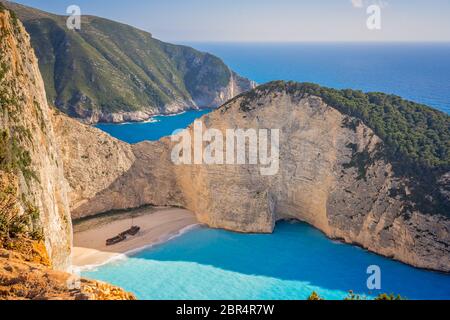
x: 29, y: 156
x: 319, y: 181
x: 207, y: 98
x: 100, y: 159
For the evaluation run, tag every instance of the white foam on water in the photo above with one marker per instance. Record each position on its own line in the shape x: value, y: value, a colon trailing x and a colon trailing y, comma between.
x: 126, y: 255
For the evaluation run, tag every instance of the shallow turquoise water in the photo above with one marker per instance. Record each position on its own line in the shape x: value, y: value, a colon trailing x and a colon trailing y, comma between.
x: 289, y: 264
x: 297, y: 259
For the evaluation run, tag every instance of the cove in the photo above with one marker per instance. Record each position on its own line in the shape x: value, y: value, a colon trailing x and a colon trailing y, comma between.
x: 154, y: 129
x: 289, y: 264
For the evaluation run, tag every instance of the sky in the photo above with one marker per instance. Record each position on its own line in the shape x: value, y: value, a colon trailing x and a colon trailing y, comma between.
x: 271, y: 20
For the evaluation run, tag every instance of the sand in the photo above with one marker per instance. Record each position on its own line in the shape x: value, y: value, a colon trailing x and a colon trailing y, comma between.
x: 157, y: 225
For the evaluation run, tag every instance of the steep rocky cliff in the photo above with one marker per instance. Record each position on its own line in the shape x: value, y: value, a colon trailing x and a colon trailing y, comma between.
x: 371, y: 170
x: 29, y: 158
x: 35, y: 223
x: 334, y: 174
x: 112, y: 72
x: 26, y: 275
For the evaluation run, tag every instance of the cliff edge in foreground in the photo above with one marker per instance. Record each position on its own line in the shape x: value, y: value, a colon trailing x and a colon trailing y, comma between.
x: 35, y: 223
x: 367, y: 169
x: 25, y: 274
x: 33, y: 188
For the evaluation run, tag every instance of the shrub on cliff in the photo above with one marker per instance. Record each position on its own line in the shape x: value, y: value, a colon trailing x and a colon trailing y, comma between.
x: 13, y: 222
x: 356, y: 297
x: 315, y: 297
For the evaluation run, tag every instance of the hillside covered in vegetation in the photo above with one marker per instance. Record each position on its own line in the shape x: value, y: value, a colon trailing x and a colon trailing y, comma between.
x: 108, y: 67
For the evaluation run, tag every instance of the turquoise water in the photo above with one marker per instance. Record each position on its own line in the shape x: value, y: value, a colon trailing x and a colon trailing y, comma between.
x: 158, y: 127
x: 297, y: 259
x: 289, y: 264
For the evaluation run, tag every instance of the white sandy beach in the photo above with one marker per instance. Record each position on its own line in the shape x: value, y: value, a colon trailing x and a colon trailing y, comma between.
x: 157, y: 225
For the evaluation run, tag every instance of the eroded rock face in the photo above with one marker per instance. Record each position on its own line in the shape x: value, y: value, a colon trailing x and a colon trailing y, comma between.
x: 24, y: 277
x: 25, y: 120
x: 214, y: 98
x: 317, y: 182
x: 92, y: 161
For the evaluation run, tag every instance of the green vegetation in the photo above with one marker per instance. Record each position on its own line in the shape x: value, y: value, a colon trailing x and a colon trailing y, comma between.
x: 10, y: 221
x: 13, y: 156
x: 15, y: 159
x: 14, y: 224
x: 356, y: 297
x: 413, y: 132
x: 389, y: 297
x: 381, y: 297
x: 315, y: 297
x: 110, y: 67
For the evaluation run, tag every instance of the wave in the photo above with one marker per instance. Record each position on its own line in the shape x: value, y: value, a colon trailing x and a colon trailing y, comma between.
x: 164, y: 239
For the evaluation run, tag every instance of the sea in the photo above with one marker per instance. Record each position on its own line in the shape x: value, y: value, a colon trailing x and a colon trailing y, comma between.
x: 290, y: 264
x: 297, y: 259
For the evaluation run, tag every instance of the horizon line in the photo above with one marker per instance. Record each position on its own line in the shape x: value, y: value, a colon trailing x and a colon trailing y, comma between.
x: 309, y: 41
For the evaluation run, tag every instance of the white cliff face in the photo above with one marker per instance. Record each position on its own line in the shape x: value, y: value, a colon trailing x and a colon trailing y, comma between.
x: 214, y: 99
x: 26, y: 116
x: 92, y: 161
x: 316, y: 182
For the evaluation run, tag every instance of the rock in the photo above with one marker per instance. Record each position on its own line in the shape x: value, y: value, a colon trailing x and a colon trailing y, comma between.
x: 99, y: 160
x: 26, y: 120
x: 315, y: 183
x: 21, y: 279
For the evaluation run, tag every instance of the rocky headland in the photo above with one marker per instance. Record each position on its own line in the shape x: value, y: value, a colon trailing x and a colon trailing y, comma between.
x: 335, y: 173
x: 366, y: 169
x: 111, y: 72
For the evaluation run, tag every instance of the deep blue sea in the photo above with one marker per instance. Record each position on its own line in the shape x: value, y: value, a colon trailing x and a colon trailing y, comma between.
x: 418, y: 72
x: 297, y: 259
x: 289, y: 264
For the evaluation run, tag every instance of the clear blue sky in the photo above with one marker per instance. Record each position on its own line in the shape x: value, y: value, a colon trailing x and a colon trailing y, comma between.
x: 270, y: 20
